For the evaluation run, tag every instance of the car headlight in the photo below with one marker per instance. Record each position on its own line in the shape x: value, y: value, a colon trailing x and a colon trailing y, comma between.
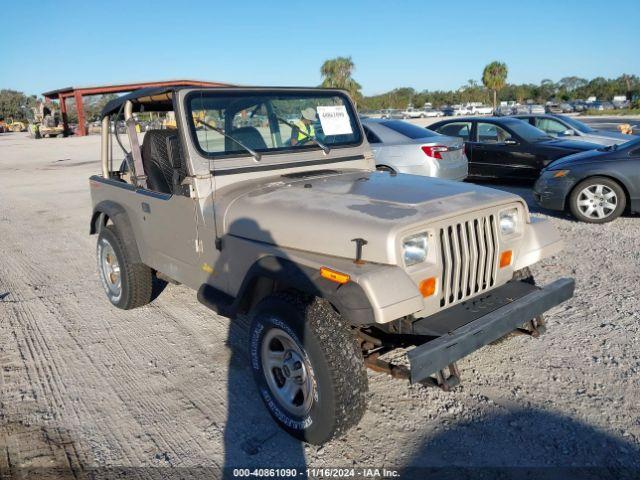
x: 508, y: 221
x: 415, y: 249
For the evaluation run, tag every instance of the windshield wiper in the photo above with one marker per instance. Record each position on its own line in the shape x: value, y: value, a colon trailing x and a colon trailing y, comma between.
x: 253, y: 153
x: 325, y: 148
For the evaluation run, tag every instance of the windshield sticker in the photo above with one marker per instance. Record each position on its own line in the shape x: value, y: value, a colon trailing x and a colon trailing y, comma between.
x: 335, y: 120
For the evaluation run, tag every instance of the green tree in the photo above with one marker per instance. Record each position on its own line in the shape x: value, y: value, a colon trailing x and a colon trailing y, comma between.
x: 494, y: 77
x: 336, y: 73
x: 14, y: 104
x: 547, y: 89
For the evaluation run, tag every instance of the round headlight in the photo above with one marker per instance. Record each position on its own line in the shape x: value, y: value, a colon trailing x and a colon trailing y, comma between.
x: 414, y: 249
x: 509, y: 221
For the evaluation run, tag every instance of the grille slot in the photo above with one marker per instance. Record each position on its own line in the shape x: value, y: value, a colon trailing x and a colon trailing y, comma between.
x: 469, y: 257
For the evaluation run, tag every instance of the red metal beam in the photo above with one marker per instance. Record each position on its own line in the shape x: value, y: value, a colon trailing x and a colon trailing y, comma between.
x: 78, y: 93
x: 82, y: 128
x: 127, y: 87
x: 63, y: 113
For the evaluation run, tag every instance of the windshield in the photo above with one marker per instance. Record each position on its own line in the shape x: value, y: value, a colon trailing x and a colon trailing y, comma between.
x: 408, y: 129
x: 231, y: 123
x: 581, y: 127
x: 527, y: 131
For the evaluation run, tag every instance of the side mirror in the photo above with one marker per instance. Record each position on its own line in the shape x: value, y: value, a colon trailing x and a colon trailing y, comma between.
x: 567, y: 133
x: 510, y: 141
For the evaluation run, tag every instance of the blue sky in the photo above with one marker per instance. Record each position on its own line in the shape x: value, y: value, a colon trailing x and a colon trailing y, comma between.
x: 421, y: 44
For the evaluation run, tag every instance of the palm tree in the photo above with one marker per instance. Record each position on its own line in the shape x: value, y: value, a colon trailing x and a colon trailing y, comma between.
x: 494, y: 77
x: 336, y: 73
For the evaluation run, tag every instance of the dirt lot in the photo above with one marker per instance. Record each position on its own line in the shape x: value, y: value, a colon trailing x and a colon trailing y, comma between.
x: 84, y: 386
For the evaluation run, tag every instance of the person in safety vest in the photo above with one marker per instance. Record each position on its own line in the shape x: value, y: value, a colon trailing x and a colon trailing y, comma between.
x: 303, y: 130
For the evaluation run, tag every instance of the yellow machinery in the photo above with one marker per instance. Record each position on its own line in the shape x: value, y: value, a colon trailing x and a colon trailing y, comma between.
x: 46, y: 122
x: 14, y: 126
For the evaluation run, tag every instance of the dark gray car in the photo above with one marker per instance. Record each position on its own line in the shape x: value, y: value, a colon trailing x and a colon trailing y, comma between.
x: 597, y: 186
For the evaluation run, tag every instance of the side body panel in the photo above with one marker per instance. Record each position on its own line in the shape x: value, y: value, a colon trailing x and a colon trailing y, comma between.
x: 168, y: 230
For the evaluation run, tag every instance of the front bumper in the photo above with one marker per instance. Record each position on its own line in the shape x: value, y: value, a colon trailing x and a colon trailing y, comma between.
x: 551, y: 193
x: 471, y: 325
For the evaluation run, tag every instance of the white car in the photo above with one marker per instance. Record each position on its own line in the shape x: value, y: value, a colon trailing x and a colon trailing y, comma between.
x: 407, y: 148
x: 480, y: 110
x: 459, y: 110
x: 537, y: 110
x: 413, y: 113
x: 432, y: 112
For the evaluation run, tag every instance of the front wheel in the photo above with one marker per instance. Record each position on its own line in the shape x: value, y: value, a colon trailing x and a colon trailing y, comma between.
x: 307, y: 366
x: 597, y: 200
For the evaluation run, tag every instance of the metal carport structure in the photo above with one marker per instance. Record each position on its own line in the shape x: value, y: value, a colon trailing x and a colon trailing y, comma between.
x: 62, y: 94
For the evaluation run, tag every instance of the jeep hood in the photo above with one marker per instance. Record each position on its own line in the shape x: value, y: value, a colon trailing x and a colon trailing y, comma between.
x: 324, y: 214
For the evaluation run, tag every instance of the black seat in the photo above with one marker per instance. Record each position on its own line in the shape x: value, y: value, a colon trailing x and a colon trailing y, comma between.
x: 157, y: 160
x: 250, y: 137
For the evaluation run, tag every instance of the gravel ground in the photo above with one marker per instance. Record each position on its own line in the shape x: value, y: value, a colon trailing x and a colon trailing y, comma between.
x: 83, y: 385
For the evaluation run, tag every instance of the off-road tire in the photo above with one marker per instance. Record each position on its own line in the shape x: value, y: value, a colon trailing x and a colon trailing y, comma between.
x: 609, y: 183
x: 137, y: 279
x: 335, y: 358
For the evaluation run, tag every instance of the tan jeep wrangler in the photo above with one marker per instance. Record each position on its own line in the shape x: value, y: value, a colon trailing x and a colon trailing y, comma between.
x: 267, y: 202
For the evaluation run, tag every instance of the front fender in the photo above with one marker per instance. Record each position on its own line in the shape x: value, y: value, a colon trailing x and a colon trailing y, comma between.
x: 375, y: 293
x: 541, y: 239
x: 271, y: 271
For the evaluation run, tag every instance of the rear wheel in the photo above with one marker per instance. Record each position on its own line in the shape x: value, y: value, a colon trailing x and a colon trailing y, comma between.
x: 308, y: 367
x: 127, y: 284
x: 597, y: 200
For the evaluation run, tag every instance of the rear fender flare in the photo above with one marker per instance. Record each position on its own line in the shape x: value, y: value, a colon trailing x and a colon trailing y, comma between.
x: 108, y: 210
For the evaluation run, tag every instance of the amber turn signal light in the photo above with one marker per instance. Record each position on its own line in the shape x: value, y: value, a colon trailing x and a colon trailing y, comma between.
x: 505, y: 258
x: 333, y: 275
x: 428, y: 286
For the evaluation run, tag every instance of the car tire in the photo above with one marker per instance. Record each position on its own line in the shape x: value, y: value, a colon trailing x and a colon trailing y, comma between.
x: 316, y: 386
x: 127, y: 284
x: 597, y: 200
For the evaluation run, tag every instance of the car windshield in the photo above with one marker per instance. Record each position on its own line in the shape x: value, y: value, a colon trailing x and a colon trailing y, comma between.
x: 408, y: 129
x: 581, y: 127
x: 527, y: 131
x: 224, y: 123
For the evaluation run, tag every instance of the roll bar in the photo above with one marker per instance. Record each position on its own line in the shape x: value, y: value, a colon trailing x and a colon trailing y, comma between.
x: 106, y: 154
x: 105, y: 151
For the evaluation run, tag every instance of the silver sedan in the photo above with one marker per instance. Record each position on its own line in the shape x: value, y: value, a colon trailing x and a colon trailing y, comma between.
x: 407, y: 148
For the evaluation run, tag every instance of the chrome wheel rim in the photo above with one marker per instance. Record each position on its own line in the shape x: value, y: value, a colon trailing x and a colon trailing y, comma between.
x: 288, y: 372
x: 109, y: 269
x: 597, y: 201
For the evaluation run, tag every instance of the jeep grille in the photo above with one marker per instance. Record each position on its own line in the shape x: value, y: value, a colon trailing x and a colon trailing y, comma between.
x: 469, y: 256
